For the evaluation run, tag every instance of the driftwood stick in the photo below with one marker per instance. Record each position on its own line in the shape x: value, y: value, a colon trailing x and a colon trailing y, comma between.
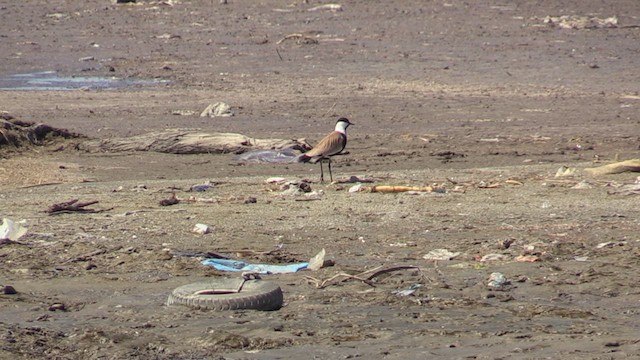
x: 397, y: 189
x: 366, y: 276
x: 73, y: 206
x: 632, y: 165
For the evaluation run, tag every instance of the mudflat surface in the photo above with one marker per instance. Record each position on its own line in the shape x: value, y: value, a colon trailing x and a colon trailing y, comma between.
x: 485, y: 101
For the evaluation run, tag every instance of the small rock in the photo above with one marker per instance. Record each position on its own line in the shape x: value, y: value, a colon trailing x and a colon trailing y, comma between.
x: 57, y: 306
x: 250, y: 200
x: 497, y: 281
x: 9, y: 290
x: 202, y: 187
x: 90, y: 266
x: 506, y: 243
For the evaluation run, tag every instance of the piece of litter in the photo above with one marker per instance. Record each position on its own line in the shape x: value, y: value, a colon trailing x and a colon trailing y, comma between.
x: 218, y: 109
x: 604, y: 244
x: 12, y: 230
x: 201, y: 229
x: 356, y: 188
x: 183, y: 112
x: 331, y: 7
x: 403, y: 244
x: 317, y: 262
x: 440, y: 254
x: 581, y: 22
x: 527, y: 258
x: 565, y: 171
x: 275, y: 180
x: 408, y: 292
x: 235, y: 265
x: 581, y: 258
x: 493, y: 257
x: 582, y: 185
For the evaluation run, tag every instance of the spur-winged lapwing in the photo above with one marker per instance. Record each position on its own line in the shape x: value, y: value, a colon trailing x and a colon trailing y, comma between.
x: 332, y: 144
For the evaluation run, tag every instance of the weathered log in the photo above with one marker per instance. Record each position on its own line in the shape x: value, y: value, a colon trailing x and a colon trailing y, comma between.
x: 179, y: 141
x: 615, y: 168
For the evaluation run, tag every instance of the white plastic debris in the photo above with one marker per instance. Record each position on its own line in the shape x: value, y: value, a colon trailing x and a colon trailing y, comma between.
x: 355, y: 188
x: 582, y: 185
x: 564, y: 171
x: 440, y: 254
x: 201, y: 229
x: 408, y: 292
x: 331, y: 7
x: 12, y: 230
x: 317, y: 262
x: 581, y: 22
x: 493, y: 257
x: 218, y: 109
x: 275, y: 180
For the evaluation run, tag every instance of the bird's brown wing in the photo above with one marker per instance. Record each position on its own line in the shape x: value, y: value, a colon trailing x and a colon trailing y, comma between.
x: 331, y: 144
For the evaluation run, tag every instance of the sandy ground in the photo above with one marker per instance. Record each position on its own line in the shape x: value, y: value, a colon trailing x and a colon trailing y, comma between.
x: 483, y: 99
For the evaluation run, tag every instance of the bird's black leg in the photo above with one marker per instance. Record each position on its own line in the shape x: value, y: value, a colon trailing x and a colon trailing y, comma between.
x: 321, y: 172
x: 330, y: 174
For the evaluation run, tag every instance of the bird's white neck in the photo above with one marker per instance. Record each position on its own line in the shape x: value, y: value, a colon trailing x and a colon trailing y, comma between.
x: 341, y: 127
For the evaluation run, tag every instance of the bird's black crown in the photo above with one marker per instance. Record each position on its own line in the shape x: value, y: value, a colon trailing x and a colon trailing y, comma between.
x: 344, y: 119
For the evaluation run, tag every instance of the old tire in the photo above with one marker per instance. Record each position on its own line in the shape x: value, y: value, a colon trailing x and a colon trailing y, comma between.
x: 255, y: 294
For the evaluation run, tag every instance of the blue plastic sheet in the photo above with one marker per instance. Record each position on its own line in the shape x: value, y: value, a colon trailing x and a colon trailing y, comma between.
x: 235, y: 265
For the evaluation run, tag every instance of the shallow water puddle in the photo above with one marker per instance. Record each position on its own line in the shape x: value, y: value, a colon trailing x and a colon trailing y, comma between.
x: 50, y: 81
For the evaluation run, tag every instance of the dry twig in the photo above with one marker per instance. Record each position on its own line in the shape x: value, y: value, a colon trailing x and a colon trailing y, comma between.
x: 366, y: 276
x: 73, y: 206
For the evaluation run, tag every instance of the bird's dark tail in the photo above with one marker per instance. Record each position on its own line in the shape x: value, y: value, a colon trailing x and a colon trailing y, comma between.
x: 302, y: 158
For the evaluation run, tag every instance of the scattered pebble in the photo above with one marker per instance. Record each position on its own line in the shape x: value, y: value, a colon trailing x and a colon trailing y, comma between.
x: 57, y: 306
x: 9, y: 290
x: 497, y: 281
